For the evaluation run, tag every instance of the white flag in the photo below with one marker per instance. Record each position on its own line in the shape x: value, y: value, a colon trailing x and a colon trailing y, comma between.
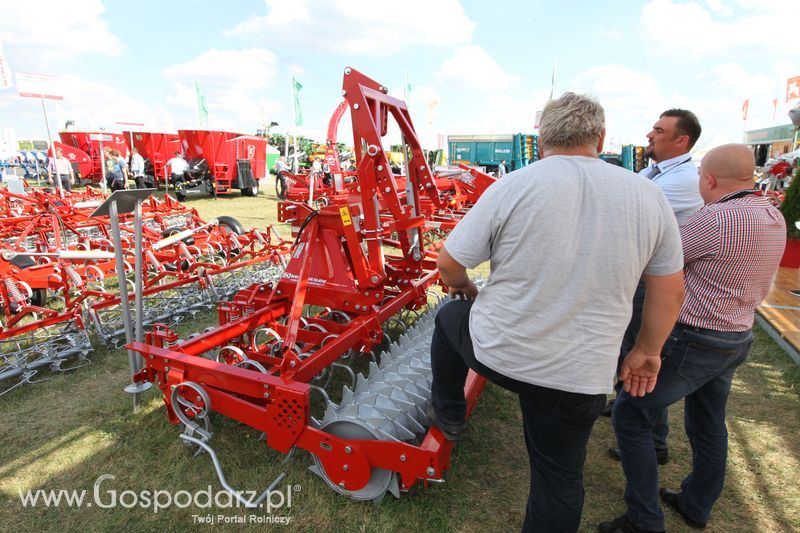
x: 5, y: 70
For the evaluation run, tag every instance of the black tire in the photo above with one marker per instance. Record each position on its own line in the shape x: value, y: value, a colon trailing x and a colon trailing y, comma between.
x: 251, y: 190
x: 39, y: 297
x: 231, y: 224
x: 180, y: 196
x: 281, y: 186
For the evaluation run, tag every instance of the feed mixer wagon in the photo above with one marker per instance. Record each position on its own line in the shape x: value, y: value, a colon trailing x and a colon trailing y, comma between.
x: 359, y: 268
x: 220, y: 162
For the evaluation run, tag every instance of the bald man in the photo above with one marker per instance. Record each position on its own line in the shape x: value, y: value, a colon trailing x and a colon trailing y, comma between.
x: 731, y: 247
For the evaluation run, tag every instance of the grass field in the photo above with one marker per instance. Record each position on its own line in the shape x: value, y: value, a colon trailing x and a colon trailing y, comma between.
x: 67, y: 432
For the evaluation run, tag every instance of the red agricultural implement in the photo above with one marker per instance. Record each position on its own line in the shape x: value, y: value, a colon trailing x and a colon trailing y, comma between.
x: 58, y: 274
x: 358, y: 269
x: 92, y: 143
x: 220, y: 162
x: 156, y: 149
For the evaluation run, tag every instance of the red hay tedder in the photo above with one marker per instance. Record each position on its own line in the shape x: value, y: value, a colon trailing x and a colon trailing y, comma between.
x: 361, y: 267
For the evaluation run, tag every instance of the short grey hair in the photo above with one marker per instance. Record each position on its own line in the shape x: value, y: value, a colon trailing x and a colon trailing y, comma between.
x: 571, y: 121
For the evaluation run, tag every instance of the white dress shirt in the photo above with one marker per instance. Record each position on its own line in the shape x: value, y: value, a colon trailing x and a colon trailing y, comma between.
x: 678, y: 180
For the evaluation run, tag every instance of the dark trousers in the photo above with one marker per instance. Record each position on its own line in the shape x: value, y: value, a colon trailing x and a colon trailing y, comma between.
x: 661, y: 427
x: 556, y: 423
x: 65, y: 184
x: 697, y: 365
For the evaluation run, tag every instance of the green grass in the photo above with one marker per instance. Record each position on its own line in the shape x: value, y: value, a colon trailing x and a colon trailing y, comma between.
x: 66, y: 432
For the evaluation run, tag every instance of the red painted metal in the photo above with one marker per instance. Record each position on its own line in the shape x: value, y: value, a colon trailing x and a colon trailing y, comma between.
x: 221, y: 150
x: 83, y: 141
x: 367, y: 257
x: 157, y: 147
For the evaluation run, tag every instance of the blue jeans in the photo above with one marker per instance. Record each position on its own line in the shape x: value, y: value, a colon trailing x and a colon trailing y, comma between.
x: 661, y: 427
x: 697, y: 365
x: 556, y: 423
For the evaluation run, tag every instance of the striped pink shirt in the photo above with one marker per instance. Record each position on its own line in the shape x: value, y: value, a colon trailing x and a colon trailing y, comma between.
x: 731, y: 251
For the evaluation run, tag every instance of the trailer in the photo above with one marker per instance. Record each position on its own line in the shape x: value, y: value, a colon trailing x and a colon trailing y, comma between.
x: 156, y: 148
x: 221, y: 161
x: 518, y: 150
x: 92, y: 144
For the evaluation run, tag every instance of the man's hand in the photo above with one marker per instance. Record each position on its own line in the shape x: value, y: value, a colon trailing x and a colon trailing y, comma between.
x: 468, y: 292
x: 639, y: 372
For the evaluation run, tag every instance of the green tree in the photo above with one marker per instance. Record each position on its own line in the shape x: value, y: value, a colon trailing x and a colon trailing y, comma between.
x: 790, y: 207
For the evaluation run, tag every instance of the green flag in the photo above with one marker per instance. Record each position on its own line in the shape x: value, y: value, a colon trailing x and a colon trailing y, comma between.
x: 298, y: 112
x: 406, y: 89
x: 202, y: 111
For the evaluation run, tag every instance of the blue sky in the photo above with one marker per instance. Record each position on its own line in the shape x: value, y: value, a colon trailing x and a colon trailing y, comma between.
x: 486, y: 65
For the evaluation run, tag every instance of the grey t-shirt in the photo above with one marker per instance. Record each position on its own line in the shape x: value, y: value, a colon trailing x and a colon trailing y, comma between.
x: 568, y: 238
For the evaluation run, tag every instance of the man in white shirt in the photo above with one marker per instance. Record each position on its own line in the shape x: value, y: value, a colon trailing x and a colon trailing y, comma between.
x: 62, y: 168
x: 137, y: 168
x: 177, y: 166
x: 669, y: 142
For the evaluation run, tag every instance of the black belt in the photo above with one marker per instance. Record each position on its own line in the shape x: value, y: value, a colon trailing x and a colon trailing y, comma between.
x: 713, y: 332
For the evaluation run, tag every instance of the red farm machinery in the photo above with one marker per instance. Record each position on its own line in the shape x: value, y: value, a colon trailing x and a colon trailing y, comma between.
x: 90, y: 144
x: 360, y: 291
x: 59, y: 275
x: 156, y: 148
x: 221, y: 162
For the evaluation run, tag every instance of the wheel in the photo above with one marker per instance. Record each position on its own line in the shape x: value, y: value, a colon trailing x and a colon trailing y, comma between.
x: 251, y: 190
x: 231, y: 224
x: 39, y: 297
x: 281, y: 186
x: 181, y: 196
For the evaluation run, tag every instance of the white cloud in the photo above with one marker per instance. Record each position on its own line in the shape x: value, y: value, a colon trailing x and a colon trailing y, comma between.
x: 231, y: 81
x: 472, y: 66
x: 357, y: 26
x: 691, y: 31
x: 57, y: 30
x: 632, y: 100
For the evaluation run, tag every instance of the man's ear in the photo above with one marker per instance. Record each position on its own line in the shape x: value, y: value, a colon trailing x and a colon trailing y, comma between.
x: 711, y: 181
x: 601, y: 142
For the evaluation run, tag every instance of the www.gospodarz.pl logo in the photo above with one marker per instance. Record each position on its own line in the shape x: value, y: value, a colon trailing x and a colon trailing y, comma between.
x: 156, y: 499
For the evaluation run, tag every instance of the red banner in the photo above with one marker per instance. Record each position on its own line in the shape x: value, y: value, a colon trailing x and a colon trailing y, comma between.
x: 745, y: 107
x: 793, y: 88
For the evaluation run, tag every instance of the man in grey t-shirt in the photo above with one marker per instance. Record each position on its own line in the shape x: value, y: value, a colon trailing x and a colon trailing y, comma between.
x: 568, y: 239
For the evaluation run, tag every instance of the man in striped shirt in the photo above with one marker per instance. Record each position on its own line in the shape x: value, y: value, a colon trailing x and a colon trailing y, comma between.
x: 732, y: 248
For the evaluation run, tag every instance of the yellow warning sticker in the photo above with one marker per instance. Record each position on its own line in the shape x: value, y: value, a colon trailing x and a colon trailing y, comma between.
x: 345, y: 214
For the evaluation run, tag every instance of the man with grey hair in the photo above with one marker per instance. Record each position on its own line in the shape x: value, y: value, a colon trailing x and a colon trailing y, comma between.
x: 568, y: 238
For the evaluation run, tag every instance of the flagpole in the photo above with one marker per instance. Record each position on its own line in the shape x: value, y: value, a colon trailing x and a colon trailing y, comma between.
x: 292, y: 125
x: 56, y: 177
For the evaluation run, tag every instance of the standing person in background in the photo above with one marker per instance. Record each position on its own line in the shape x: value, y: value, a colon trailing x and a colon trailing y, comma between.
x: 119, y: 171
x: 501, y: 169
x: 556, y: 345
x: 731, y: 248
x: 137, y: 168
x: 669, y: 142
x: 177, y: 166
x: 60, y: 168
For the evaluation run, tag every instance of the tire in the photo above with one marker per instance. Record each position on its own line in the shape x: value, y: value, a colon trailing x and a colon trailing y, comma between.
x: 39, y: 297
x: 251, y: 190
x: 231, y: 224
x: 180, y: 196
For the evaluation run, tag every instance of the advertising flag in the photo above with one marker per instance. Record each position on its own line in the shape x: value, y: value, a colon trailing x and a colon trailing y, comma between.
x: 202, y: 110
x: 298, y: 112
x: 745, y: 108
x: 793, y: 88
x: 5, y: 70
